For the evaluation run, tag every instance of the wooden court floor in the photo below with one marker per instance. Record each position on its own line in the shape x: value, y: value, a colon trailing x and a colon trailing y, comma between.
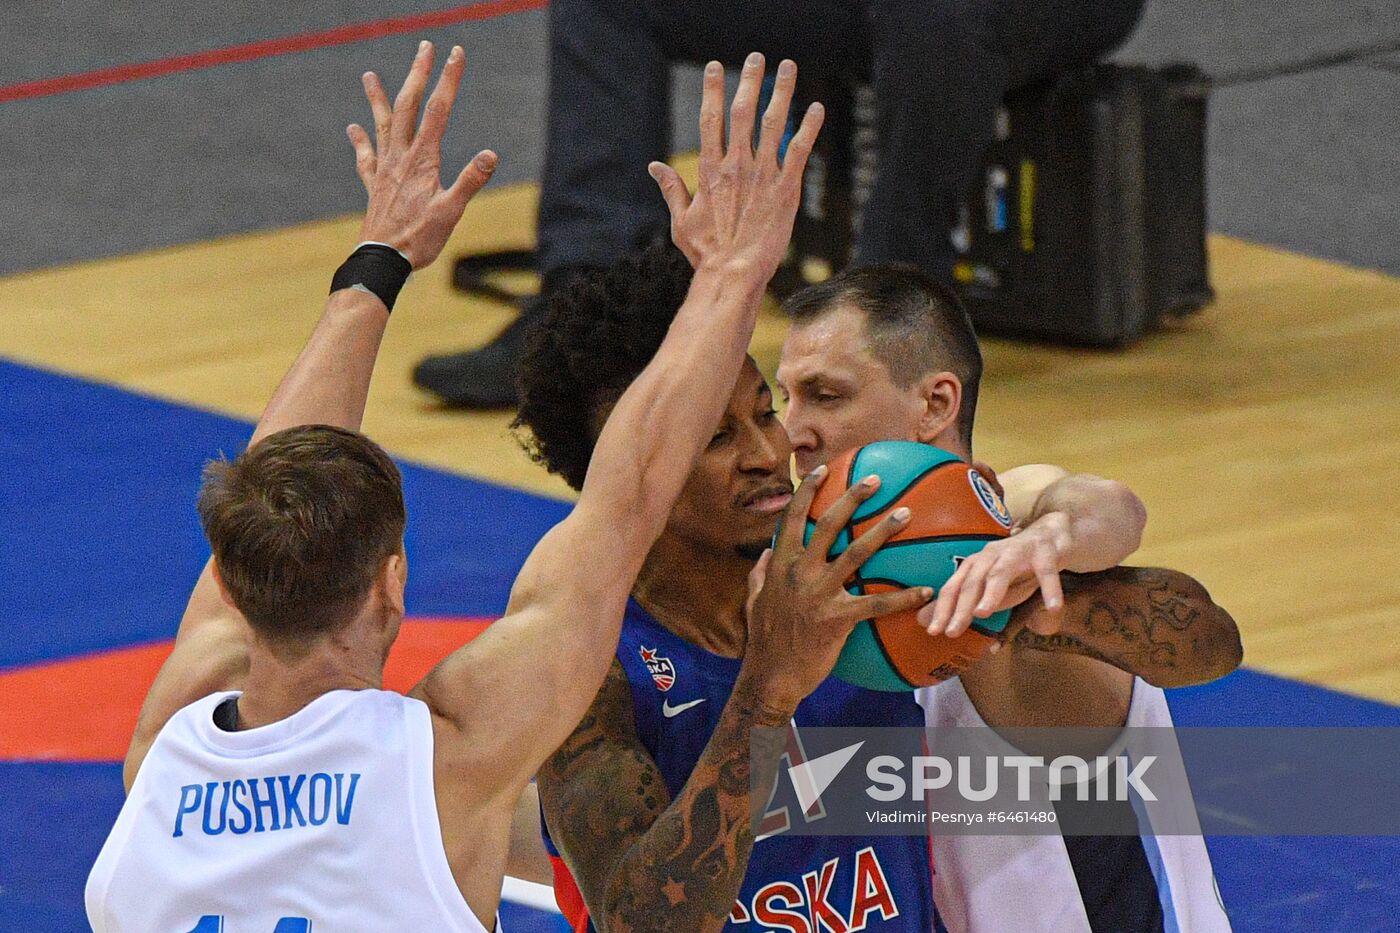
x: 1264, y: 434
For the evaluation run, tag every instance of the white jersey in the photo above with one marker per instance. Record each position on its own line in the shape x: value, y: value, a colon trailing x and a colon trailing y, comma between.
x: 324, y: 821
x: 992, y: 884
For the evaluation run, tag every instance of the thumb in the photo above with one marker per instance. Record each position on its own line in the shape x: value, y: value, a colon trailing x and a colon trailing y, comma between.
x: 673, y: 189
x: 473, y: 177
x: 757, y: 576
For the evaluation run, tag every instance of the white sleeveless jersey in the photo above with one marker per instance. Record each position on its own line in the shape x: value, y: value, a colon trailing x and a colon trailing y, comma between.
x: 324, y: 822
x: 994, y: 884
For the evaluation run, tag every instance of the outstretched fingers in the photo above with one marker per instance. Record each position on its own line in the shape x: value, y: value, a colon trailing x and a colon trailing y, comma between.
x: 365, y: 161
x: 775, y: 117
x: 867, y: 544
x: 838, y: 515
x: 757, y: 577
x: 744, y: 109
x: 672, y: 187
x: 379, y: 106
x: 405, y: 118
x: 858, y: 608
x: 968, y: 597
x: 794, y: 521
x: 1048, y: 573
x: 712, y: 118
x: 937, y: 616
x: 439, y: 107
x: 799, y: 148
x: 472, y: 178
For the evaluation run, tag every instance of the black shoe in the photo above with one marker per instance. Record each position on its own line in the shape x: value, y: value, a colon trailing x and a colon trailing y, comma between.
x: 483, y: 378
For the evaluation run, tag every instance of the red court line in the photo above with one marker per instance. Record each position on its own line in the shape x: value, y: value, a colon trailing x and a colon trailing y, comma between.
x: 266, y: 48
x: 85, y: 708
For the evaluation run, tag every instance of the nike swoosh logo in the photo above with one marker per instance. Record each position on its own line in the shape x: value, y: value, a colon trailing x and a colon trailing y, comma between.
x: 668, y: 710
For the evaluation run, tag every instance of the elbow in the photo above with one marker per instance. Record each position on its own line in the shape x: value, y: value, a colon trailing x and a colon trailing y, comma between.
x: 1134, y: 513
x: 1213, y: 644
x: 1109, y: 521
x: 1221, y: 651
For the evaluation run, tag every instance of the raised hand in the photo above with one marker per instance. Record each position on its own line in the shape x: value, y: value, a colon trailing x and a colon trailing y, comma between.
x: 799, y: 612
x: 744, y: 206
x: 401, y: 169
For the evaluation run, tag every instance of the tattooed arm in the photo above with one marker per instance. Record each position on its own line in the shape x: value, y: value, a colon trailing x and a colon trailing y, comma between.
x: 642, y: 860
x: 1158, y: 624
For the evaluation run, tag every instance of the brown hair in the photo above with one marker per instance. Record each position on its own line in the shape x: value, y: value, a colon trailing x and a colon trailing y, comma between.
x: 300, y: 524
x: 916, y: 325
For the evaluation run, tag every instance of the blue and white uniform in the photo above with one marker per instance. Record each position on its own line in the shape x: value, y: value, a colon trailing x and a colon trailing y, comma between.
x: 1076, y: 884
x: 802, y: 884
x: 323, y: 821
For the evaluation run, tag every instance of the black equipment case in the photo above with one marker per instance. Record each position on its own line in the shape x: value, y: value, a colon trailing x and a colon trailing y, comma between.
x: 1087, y: 222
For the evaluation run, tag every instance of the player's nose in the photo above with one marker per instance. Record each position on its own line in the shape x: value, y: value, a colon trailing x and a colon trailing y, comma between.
x: 800, y: 431
x: 763, y: 452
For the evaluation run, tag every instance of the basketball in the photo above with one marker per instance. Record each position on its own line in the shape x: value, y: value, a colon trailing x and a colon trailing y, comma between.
x: 955, y: 512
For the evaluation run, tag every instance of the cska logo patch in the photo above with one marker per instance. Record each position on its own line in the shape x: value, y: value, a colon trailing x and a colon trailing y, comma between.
x: 661, y: 669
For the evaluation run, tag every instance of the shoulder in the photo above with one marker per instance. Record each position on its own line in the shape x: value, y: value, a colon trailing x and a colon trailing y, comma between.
x: 152, y: 732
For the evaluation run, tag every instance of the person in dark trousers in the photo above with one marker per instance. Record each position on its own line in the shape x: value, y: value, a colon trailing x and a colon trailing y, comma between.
x: 939, y: 69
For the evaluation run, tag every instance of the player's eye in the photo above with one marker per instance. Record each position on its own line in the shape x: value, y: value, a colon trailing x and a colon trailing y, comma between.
x: 768, y: 416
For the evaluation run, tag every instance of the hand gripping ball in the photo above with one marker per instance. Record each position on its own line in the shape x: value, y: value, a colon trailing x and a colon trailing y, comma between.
x: 954, y: 513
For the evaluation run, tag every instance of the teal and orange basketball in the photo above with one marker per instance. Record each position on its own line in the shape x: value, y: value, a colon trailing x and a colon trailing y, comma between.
x: 955, y: 512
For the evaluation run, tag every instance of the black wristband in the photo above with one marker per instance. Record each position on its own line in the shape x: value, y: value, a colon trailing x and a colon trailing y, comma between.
x: 375, y: 268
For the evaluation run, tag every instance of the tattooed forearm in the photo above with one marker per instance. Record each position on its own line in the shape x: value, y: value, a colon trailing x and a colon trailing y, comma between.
x: 642, y: 860
x: 1158, y: 624
x: 1025, y: 638
x: 686, y: 871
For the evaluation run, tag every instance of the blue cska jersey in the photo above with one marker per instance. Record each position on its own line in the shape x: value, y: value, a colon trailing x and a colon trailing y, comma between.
x: 800, y: 884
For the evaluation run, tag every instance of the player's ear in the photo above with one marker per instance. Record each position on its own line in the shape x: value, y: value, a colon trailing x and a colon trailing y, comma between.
x: 393, y: 580
x: 223, y: 587
x: 940, y: 395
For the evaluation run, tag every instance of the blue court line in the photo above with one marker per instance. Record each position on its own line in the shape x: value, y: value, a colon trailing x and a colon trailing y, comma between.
x: 101, y: 541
